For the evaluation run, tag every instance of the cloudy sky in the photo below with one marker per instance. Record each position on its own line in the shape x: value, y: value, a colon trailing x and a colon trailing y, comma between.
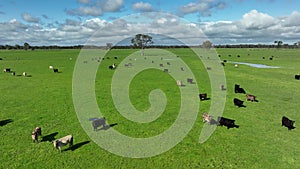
x: 73, y: 22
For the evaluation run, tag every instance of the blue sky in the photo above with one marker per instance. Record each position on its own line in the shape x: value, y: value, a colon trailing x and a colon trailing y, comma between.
x: 72, y: 22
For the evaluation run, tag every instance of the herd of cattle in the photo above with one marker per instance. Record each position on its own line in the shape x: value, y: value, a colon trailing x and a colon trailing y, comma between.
x: 230, y: 123
x: 8, y: 70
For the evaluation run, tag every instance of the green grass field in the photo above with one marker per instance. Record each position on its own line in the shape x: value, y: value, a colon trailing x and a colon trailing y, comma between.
x: 45, y: 99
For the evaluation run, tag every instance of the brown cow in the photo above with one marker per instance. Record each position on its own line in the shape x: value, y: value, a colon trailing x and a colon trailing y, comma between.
x: 250, y: 97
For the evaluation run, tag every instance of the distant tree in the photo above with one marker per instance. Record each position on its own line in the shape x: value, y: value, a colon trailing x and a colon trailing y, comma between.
x: 109, y: 46
x: 278, y: 43
x: 26, y: 46
x: 141, y: 41
x: 207, y: 44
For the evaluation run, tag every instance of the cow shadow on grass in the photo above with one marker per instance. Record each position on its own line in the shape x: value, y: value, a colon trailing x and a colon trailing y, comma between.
x: 106, y: 127
x: 49, y: 137
x: 76, y: 146
x: 5, y: 122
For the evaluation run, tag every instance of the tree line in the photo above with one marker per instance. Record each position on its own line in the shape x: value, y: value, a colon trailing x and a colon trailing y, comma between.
x: 143, y: 41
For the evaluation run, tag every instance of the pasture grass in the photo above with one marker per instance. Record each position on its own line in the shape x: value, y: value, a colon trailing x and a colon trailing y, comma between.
x: 45, y: 99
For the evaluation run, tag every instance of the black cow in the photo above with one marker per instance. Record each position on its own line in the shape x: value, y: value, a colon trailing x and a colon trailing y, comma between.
x: 55, y: 70
x: 297, y: 77
x: 238, y: 102
x: 203, y: 96
x: 229, y: 123
x: 287, y: 123
x: 98, y: 122
x: 237, y: 89
x: 190, y: 80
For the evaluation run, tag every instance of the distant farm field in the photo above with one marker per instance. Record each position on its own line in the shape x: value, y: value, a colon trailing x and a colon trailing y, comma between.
x: 44, y: 98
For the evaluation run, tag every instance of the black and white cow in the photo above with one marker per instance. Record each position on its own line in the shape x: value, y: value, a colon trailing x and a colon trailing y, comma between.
x: 203, y: 96
x: 6, y: 70
x: 113, y: 66
x: 287, y: 123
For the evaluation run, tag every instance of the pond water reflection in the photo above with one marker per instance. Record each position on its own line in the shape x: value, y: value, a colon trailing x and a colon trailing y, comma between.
x: 255, y: 65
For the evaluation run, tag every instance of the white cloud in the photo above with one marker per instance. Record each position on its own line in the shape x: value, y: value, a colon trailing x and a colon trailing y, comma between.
x: 257, y: 20
x: 204, y: 7
x: 97, y: 8
x: 27, y: 17
x: 253, y: 27
x: 142, y: 6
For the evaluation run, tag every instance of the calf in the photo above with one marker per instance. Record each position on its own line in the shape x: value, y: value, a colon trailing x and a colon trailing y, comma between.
x: 229, y: 123
x: 287, y: 123
x: 250, y: 97
x: 238, y: 102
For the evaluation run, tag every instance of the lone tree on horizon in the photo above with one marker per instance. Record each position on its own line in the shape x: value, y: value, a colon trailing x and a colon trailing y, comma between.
x: 279, y: 43
x: 141, y: 41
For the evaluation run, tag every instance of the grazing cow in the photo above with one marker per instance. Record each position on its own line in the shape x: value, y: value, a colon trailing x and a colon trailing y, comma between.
x: 59, y: 143
x: 222, y: 63
x: 297, y: 77
x: 24, y: 74
x: 223, y: 87
x: 238, y: 102
x: 203, y: 96
x: 36, y: 132
x: 229, y: 123
x: 250, y: 97
x: 168, y: 63
x: 99, y: 122
x: 207, y: 118
x: 6, y: 70
x: 287, y: 123
x: 236, y: 65
x: 190, y: 80
x: 208, y: 68
x: 115, y: 57
x: 237, y: 89
x: 55, y: 70
x: 179, y: 83
x: 166, y: 70
x: 13, y: 73
x: 50, y: 67
x: 161, y: 65
x: 182, y: 69
x: 113, y: 66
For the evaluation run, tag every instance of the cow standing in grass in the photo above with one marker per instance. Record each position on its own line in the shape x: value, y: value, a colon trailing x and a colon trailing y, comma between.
x: 98, y: 122
x: 207, y: 118
x: 36, y: 133
x: 250, y: 97
x: 287, y: 123
x: 59, y: 143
